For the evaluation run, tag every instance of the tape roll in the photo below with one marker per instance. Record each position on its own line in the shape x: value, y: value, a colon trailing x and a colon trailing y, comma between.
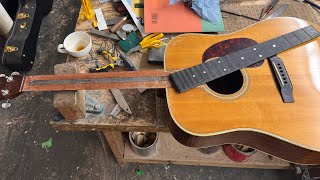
x: 128, y: 27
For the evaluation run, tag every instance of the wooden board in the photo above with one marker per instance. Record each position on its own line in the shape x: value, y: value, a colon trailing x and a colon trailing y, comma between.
x: 170, y: 151
x: 143, y: 117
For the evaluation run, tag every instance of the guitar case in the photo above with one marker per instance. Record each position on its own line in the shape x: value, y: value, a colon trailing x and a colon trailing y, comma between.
x: 20, y: 48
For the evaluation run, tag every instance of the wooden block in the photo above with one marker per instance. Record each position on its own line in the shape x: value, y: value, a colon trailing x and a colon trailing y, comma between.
x: 116, y: 144
x: 171, y: 151
x: 71, y: 104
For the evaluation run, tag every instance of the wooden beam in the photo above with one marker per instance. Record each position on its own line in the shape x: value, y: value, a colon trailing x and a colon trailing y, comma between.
x: 71, y: 104
x: 116, y: 144
x: 95, y: 81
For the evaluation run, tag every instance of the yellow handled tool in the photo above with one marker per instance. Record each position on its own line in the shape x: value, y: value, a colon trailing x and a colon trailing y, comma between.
x: 152, y: 41
x: 114, y: 58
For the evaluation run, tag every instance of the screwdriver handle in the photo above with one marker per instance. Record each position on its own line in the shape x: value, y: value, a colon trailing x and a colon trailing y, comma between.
x: 129, y: 65
x: 312, y: 4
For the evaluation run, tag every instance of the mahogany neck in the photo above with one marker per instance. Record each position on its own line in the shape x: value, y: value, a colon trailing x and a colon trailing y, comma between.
x: 149, y: 79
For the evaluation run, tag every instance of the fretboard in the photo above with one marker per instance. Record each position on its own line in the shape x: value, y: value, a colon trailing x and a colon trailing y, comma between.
x: 194, y: 76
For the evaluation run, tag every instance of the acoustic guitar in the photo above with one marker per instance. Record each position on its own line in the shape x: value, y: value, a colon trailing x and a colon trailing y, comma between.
x: 258, y: 87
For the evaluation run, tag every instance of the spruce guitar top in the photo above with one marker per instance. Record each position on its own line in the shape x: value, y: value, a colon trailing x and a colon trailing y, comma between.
x: 220, y: 89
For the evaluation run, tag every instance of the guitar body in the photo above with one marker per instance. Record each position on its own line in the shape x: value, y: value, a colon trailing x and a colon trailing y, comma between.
x: 246, y: 107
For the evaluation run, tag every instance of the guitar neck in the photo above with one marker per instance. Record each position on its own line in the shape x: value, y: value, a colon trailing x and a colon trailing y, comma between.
x: 194, y: 76
x: 150, y: 79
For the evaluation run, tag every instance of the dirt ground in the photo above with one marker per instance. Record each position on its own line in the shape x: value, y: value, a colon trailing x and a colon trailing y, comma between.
x: 77, y: 155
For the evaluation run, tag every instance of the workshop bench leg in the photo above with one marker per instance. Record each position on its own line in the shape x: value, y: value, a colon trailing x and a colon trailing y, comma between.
x: 116, y: 144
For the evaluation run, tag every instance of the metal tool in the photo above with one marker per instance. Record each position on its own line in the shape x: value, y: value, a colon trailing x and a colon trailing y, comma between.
x: 102, y: 25
x: 93, y: 106
x: 104, y: 68
x: 113, y: 21
x: 240, y: 15
x: 278, y: 11
x: 151, y: 41
x: 122, y: 103
x: 311, y: 4
x: 122, y: 34
x: 270, y: 7
x: 103, y: 34
x: 118, y: 25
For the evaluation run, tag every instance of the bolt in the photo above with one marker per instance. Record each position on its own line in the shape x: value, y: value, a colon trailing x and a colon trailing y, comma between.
x: 97, y: 106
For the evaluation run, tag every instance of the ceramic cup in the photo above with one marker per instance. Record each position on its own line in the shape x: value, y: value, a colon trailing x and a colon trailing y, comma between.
x: 76, y: 44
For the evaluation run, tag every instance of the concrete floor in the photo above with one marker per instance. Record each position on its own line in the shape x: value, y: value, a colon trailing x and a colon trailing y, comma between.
x: 77, y: 155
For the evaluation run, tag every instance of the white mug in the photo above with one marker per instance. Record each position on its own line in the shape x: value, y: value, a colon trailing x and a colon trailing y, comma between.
x: 76, y: 44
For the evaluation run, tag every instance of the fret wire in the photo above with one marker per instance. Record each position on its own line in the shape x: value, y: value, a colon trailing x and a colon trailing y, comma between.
x: 195, y: 75
x: 267, y: 50
x: 259, y: 55
x: 311, y: 31
x: 211, y: 65
x: 274, y: 46
x: 193, y: 82
x: 182, y: 82
x: 200, y: 72
x: 207, y: 71
x: 187, y: 80
x: 303, y: 36
x: 292, y: 39
x: 285, y: 45
x: 229, y: 61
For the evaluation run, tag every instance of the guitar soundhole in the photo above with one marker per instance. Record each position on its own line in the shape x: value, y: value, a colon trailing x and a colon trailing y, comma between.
x: 234, y: 82
x: 228, y: 84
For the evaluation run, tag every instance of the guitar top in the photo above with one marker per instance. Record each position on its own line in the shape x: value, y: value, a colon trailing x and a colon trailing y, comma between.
x: 249, y: 99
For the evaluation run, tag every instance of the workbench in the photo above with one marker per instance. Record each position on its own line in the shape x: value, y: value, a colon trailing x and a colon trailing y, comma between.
x: 150, y: 114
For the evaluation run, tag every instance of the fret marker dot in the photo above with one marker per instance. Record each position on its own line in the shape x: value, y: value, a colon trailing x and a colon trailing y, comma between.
x: 242, y: 57
x: 225, y: 69
x: 260, y: 55
x: 218, y: 61
x: 193, y: 75
x: 204, y: 72
x: 254, y: 49
x: 274, y: 45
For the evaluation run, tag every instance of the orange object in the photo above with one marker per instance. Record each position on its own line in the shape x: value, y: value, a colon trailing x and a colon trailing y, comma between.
x: 160, y: 16
x: 87, y: 9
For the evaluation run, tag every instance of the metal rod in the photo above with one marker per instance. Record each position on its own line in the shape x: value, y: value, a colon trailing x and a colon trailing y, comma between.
x: 240, y: 15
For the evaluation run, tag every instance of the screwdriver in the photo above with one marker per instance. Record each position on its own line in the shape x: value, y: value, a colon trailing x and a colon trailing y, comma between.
x: 270, y: 7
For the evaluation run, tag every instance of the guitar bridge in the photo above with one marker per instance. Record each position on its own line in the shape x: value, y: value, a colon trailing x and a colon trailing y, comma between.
x: 283, y: 79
